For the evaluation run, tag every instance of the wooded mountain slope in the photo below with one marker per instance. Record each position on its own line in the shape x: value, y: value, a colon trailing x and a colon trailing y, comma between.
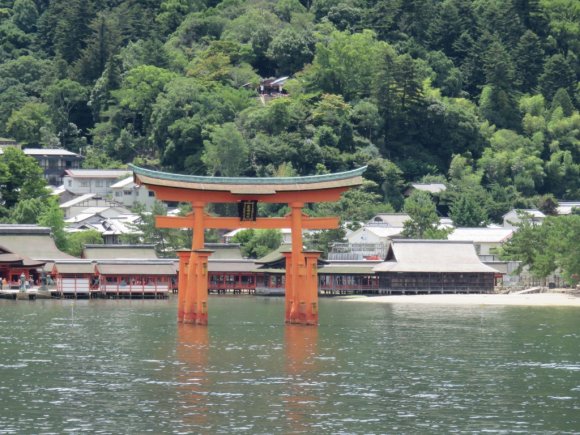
x: 481, y: 94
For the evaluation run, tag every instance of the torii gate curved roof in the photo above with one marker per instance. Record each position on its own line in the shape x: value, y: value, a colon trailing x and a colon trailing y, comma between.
x: 249, y: 185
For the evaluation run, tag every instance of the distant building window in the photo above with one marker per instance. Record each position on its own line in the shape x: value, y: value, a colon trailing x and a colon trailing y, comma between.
x: 69, y: 183
x: 118, y: 193
x: 99, y: 183
x: 127, y: 192
x: 85, y: 183
x: 151, y: 194
x: 68, y: 164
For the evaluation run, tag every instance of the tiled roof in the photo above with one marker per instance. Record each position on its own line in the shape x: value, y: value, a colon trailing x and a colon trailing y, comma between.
x: 432, y: 256
x: 97, y: 173
x: 49, y: 152
x: 224, y: 251
x: 71, y: 267
x: 77, y: 200
x: 481, y: 235
x: 123, y: 183
x: 30, y: 241
x: 231, y: 265
x: 151, y: 267
x: 119, y: 251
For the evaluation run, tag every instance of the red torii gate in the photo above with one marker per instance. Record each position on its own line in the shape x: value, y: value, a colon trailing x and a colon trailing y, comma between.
x: 301, y: 272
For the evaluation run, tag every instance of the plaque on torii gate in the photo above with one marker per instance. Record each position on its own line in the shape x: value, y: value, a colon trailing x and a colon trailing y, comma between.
x: 301, y: 289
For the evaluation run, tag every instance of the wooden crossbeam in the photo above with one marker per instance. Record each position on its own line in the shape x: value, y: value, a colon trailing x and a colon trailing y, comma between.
x: 232, y: 223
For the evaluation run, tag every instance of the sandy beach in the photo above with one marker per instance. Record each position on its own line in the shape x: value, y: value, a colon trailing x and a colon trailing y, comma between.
x: 535, y: 299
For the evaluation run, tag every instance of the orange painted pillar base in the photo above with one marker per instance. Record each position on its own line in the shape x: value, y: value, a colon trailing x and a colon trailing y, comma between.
x: 184, y: 255
x: 196, y: 310
x: 302, y: 293
x: 288, y: 287
x: 309, y: 311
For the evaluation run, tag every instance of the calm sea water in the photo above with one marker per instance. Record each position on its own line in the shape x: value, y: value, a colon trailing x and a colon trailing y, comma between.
x: 128, y: 367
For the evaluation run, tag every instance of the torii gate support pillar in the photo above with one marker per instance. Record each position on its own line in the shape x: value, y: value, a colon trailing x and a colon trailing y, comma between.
x: 302, y: 288
x: 195, y: 309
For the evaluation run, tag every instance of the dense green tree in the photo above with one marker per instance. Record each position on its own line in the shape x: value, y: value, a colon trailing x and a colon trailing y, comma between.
x: 139, y: 90
x: 513, y: 159
x: 67, y: 99
x: 75, y: 242
x: 180, y: 114
x: 543, y: 249
x: 290, y: 50
x: 225, y: 152
x: 446, y: 26
x: 257, y: 243
x: 20, y: 178
x: 497, y: 100
x: 356, y: 205
x: 24, y: 15
x: 528, y: 57
x: 172, y: 13
x: 562, y: 99
x: 557, y: 74
x: 27, y: 123
x: 345, y: 64
x: 103, y: 43
x: 53, y: 217
x: 563, y: 19
x: 27, y: 211
x: 64, y: 27
x: 468, y: 211
x: 424, y: 222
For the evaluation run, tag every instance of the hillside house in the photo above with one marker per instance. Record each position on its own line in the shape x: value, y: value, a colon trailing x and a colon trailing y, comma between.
x: 89, y: 203
x: 126, y: 192
x: 513, y: 217
x: 54, y: 162
x: 98, y: 181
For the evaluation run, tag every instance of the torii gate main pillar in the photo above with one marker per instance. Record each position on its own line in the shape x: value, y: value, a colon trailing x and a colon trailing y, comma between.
x: 301, y: 266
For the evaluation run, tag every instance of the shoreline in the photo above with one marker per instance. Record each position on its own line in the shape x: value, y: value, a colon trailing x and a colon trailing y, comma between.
x: 534, y: 299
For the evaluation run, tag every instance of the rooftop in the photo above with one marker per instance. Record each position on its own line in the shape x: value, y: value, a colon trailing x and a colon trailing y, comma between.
x: 434, y: 256
x: 430, y: 187
x: 481, y: 235
x: 123, y: 183
x: 97, y: 173
x: 249, y: 185
x: 111, y: 252
x: 49, y: 152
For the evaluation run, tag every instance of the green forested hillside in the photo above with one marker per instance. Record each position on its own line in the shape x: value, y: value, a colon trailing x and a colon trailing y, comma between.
x: 483, y: 94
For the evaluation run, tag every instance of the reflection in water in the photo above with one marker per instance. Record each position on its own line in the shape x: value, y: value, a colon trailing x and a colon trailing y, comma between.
x: 192, y: 354
x: 301, y: 366
x: 126, y: 366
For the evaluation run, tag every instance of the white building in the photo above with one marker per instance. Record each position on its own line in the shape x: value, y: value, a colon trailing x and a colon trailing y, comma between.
x: 111, y: 222
x: 432, y: 188
x: 485, y: 240
x: 513, y: 217
x: 373, y: 235
x: 99, y: 181
x: 80, y: 204
x: 390, y: 220
x: 128, y: 193
x: 566, y: 207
